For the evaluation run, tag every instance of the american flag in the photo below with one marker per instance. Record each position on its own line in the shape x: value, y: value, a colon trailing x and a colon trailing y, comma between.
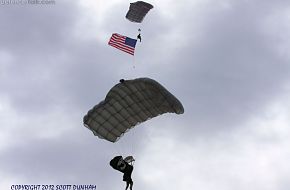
x: 123, y: 43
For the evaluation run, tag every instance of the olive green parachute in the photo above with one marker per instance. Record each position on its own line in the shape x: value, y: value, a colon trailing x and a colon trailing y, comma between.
x: 127, y: 104
x: 137, y: 11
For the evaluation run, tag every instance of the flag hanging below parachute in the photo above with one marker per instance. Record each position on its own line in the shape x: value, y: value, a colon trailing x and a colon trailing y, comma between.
x: 123, y: 43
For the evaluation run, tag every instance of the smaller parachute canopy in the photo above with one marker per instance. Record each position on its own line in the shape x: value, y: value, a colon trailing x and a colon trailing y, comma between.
x: 114, y: 162
x: 137, y: 11
x: 120, y: 164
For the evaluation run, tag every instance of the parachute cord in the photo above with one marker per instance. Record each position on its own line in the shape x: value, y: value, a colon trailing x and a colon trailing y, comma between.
x: 118, y: 147
x: 134, y: 62
x: 132, y: 148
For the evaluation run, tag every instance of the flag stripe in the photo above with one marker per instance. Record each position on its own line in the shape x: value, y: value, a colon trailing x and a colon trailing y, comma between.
x: 118, y: 41
x: 123, y: 49
x: 119, y: 45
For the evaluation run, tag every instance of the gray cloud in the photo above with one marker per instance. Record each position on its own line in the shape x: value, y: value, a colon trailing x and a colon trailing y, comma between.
x: 218, y: 60
x: 233, y: 72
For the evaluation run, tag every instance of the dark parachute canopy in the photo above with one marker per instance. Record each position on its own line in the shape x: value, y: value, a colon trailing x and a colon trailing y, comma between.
x: 137, y: 11
x: 120, y: 164
x: 127, y: 104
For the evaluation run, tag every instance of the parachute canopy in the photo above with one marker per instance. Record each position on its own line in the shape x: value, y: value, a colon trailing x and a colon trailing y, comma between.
x: 122, y: 165
x: 137, y: 11
x: 118, y: 163
x: 127, y: 104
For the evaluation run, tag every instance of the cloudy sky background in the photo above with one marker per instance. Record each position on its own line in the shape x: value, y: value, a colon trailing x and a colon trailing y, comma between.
x: 227, y: 61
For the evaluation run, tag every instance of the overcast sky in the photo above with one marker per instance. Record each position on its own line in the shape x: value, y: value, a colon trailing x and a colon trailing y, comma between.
x: 227, y: 61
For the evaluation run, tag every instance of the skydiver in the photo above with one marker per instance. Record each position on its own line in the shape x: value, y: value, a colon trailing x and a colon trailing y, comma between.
x: 126, y: 167
x: 127, y: 176
x: 128, y: 172
x: 139, y: 37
